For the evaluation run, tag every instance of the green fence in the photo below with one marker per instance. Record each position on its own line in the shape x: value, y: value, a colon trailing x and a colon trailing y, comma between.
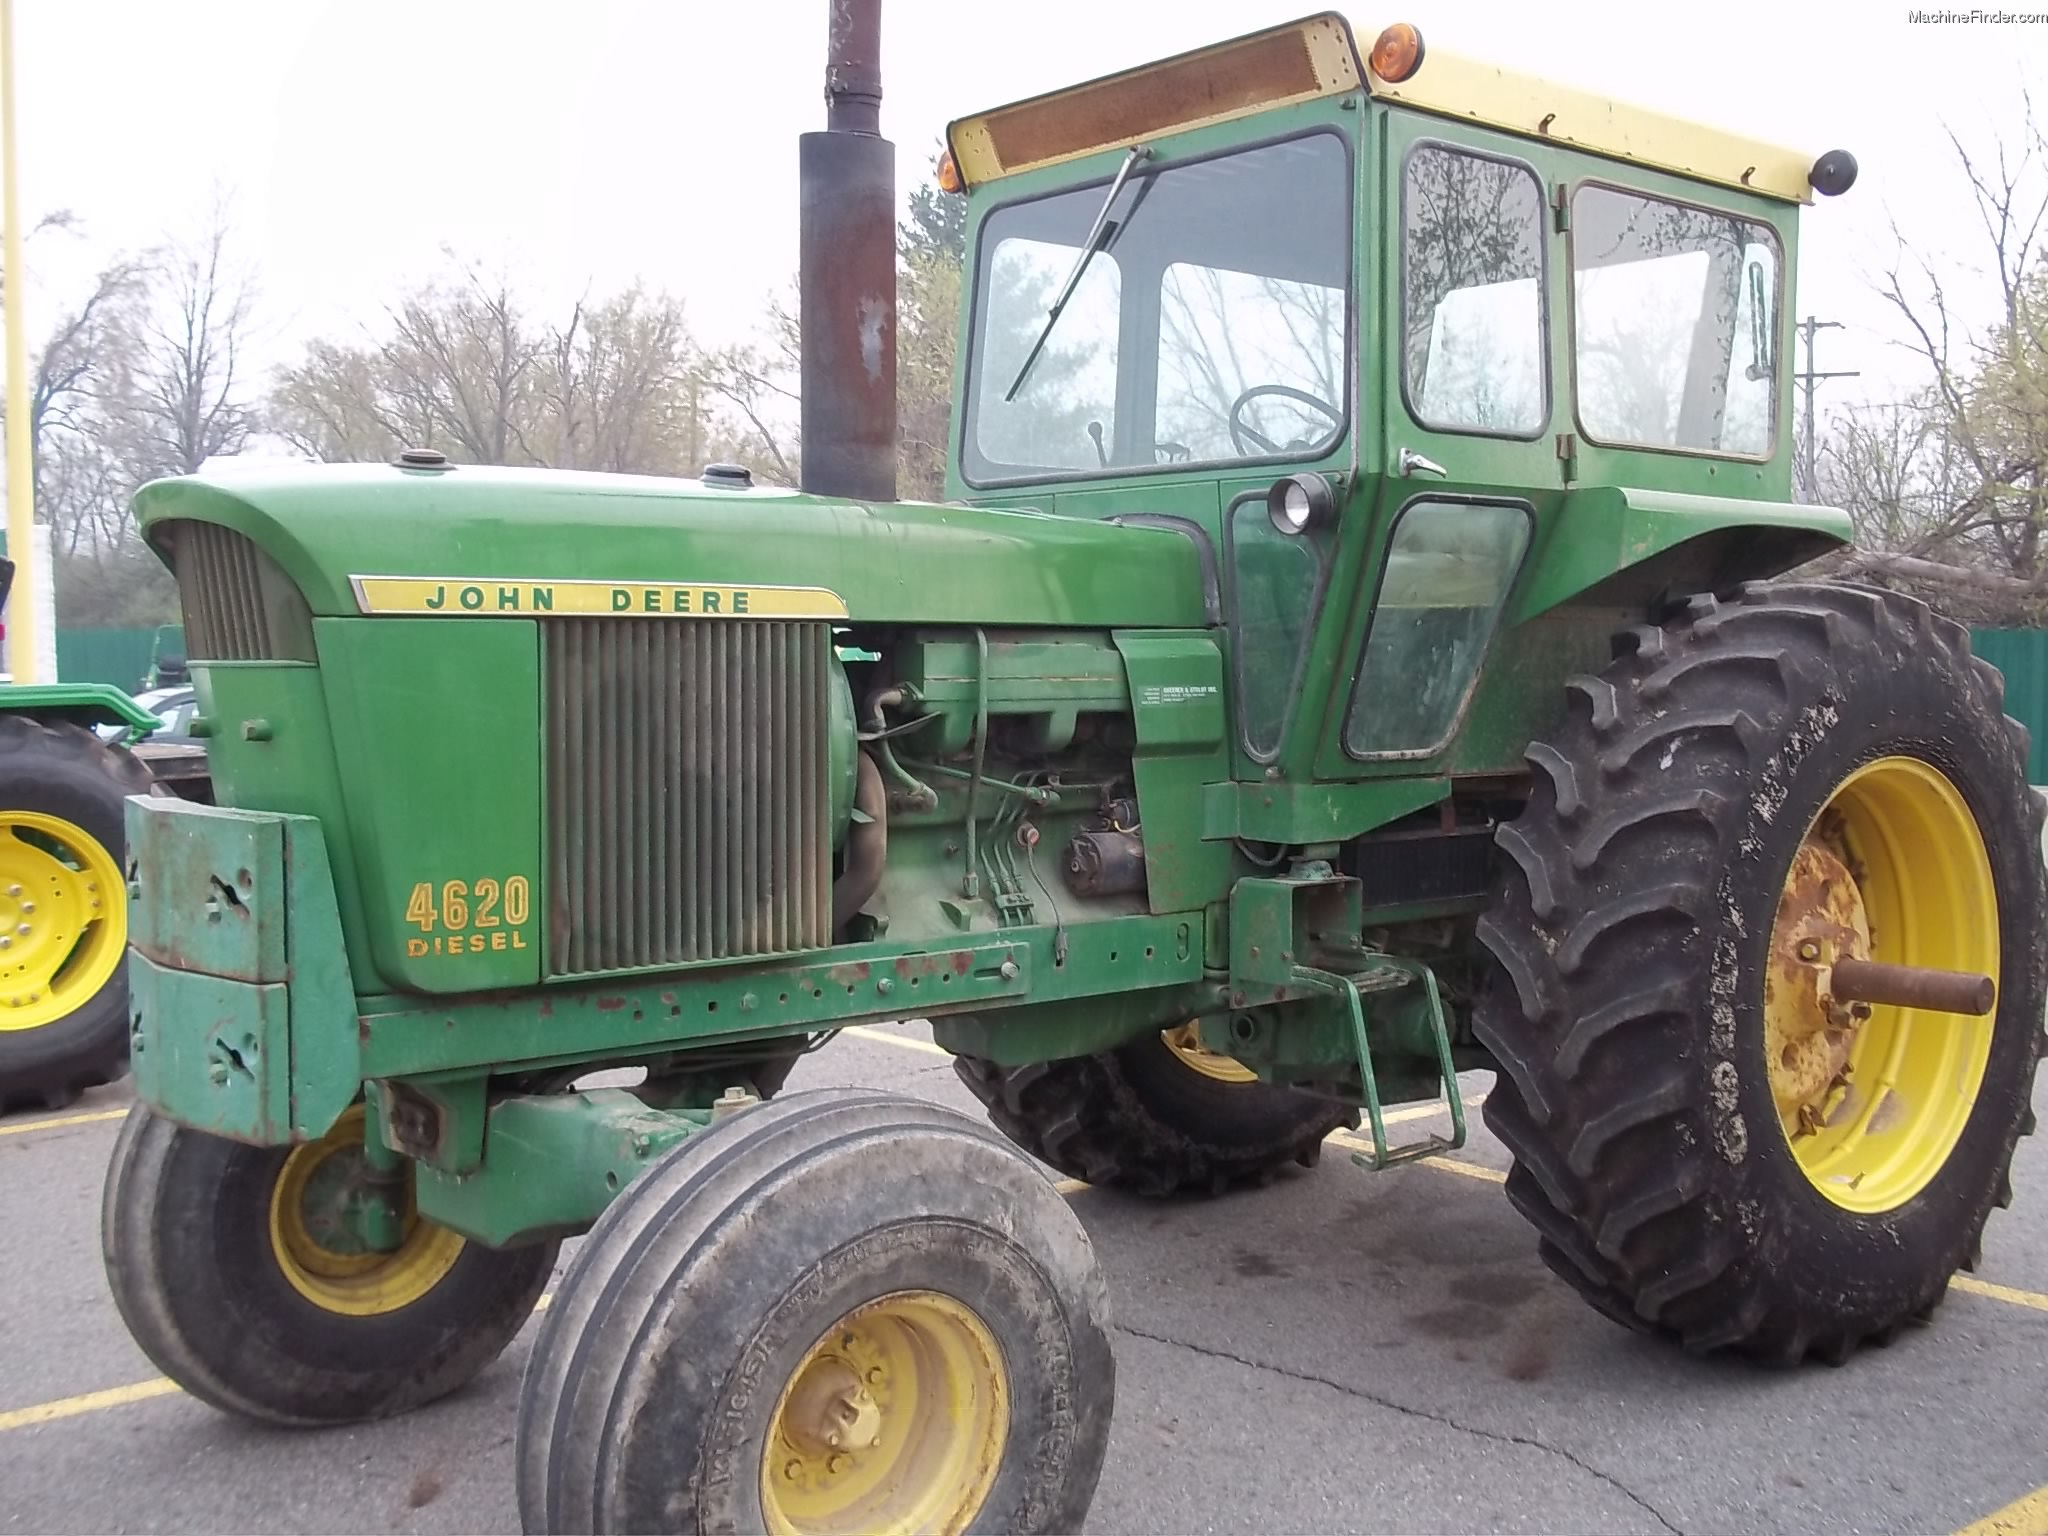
x: 117, y: 656
x: 2022, y: 655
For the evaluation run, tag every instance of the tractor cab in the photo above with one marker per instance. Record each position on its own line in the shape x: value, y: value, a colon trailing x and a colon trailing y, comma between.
x: 1372, y: 328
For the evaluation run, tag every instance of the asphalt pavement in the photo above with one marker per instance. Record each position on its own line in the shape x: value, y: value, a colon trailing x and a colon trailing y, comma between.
x: 1340, y: 1351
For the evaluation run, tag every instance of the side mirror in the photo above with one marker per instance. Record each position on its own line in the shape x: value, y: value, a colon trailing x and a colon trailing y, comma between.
x: 1763, y: 361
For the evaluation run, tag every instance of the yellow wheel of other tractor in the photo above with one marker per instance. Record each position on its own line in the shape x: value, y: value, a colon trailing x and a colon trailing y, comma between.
x: 1772, y: 937
x: 237, y: 1272
x: 839, y: 1313
x: 63, y: 918
x: 63, y: 911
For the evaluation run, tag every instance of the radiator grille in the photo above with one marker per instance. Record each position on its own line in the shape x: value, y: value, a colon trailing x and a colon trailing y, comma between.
x: 220, y: 588
x: 688, y: 791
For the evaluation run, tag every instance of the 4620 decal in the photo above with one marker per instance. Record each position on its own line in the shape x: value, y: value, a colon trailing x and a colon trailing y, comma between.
x: 468, y: 918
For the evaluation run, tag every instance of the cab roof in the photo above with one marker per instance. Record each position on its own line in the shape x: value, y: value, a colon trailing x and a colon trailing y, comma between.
x: 1317, y: 57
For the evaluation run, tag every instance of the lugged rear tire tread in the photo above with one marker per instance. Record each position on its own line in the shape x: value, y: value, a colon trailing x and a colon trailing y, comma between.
x: 1093, y: 1118
x: 1596, y: 1031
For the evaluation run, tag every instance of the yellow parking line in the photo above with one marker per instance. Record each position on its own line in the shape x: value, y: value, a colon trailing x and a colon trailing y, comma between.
x: 61, y: 1121
x: 90, y: 1402
x: 885, y: 1038
x: 2022, y: 1517
x: 2005, y: 1293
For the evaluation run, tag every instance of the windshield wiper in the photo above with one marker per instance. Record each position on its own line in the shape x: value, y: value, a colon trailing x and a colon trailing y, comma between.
x: 1097, y: 239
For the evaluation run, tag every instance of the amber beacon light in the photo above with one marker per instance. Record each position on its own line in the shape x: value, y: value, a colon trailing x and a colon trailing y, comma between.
x: 1397, y: 54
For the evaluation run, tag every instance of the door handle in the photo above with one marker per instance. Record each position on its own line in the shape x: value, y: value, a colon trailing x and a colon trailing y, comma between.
x: 1413, y: 463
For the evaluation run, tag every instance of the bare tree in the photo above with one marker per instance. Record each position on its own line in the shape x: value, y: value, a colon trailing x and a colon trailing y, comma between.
x: 618, y: 385
x: 1949, y: 488
x: 186, y: 394
x: 759, y: 383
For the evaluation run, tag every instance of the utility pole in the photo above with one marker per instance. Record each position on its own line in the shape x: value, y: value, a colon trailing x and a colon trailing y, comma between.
x: 1807, y: 379
x: 21, y: 516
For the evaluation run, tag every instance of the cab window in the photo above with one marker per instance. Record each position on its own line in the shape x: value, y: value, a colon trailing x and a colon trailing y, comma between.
x: 1472, y: 343
x: 1674, y: 315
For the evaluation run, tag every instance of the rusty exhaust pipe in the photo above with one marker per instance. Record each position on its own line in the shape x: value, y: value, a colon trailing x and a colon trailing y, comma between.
x: 847, y: 276
x: 1912, y: 986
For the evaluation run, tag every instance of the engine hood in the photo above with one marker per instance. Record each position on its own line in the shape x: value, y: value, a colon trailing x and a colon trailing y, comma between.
x: 362, y: 538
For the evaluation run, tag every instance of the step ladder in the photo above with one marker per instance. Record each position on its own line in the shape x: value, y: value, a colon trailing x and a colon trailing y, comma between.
x: 1357, y: 974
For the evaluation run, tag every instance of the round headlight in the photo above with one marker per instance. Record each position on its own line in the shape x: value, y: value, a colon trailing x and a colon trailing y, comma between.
x: 1298, y: 502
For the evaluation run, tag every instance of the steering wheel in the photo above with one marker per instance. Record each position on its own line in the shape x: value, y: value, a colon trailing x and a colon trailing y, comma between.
x: 1240, y: 430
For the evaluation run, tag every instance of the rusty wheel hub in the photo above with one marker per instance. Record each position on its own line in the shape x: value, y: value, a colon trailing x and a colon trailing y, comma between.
x: 1809, y: 1030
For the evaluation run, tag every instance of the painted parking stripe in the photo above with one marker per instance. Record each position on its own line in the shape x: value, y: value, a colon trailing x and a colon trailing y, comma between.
x: 2022, y: 1517
x: 89, y: 1402
x: 61, y: 1121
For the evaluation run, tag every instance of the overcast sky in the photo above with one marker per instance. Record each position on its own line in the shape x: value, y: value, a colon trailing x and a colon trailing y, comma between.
x: 604, y: 141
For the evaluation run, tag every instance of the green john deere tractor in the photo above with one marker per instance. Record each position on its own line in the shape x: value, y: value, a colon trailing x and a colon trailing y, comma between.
x: 1350, y: 657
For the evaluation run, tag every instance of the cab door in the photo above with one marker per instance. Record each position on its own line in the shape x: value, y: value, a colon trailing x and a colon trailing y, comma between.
x: 1470, y: 403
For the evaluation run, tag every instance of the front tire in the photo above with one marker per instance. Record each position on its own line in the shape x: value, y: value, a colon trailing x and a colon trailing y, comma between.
x: 1710, y: 1143
x: 231, y: 1273
x: 840, y: 1311
x: 1157, y: 1116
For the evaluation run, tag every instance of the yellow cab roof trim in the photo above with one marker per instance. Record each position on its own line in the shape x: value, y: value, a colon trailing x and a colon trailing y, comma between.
x: 1319, y: 57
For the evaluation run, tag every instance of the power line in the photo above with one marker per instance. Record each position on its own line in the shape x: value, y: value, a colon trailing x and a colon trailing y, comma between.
x: 1807, y: 380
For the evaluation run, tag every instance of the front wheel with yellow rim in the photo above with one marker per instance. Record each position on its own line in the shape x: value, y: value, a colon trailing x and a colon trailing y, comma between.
x: 244, y: 1274
x: 1160, y: 1115
x: 842, y: 1313
x: 63, y: 911
x: 1773, y: 945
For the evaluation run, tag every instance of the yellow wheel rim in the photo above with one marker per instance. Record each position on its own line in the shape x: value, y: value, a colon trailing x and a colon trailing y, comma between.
x: 894, y: 1422
x: 1873, y: 1097
x: 63, y: 918
x: 1186, y: 1044
x: 319, y: 1253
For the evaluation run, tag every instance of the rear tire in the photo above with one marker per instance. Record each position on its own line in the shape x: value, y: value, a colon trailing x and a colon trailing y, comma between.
x: 65, y: 774
x: 707, y: 1363
x: 1140, y: 1118
x: 1643, y: 1067
x: 217, y: 1296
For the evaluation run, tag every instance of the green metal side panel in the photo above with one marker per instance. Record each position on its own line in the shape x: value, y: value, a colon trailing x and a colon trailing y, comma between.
x: 271, y: 747
x: 1176, y: 689
x: 1603, y: 529
x: 440, y: 763
x: 326, y: 1039
x: 2022, y: 656
x: 1313, y: 813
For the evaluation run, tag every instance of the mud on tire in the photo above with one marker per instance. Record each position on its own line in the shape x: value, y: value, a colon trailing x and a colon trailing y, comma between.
x: 1634, y: 911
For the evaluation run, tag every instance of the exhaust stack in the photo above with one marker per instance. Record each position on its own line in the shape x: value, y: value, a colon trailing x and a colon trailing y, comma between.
x: 847, y: 300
